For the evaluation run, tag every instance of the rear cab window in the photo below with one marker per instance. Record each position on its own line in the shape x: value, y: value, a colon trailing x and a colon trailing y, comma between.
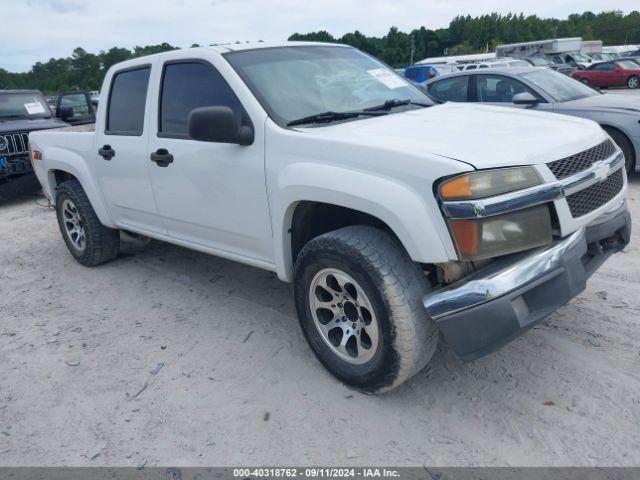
x: 127, y: 100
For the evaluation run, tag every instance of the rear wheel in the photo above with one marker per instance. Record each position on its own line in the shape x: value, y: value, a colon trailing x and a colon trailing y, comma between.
x: 358, y: 297
x: 625, y: 145
x: 585, y: 81
x: 90, y: 242
x: 633, y: 82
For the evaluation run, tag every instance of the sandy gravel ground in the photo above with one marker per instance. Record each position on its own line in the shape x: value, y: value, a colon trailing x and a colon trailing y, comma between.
x: 171, y: 357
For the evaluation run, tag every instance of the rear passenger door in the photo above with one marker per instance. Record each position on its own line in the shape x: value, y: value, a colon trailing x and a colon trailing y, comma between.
x: 453, y: 89
x: 121, y: 152
x: 210, y: 195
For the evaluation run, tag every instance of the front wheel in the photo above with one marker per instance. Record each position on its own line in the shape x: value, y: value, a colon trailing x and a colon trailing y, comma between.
x: 633, y: 82
x: 358, y: 297
x: 585, y: 81
x: 90, y: 242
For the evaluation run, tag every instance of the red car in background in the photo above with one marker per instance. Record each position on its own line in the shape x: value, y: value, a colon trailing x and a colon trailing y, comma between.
x: 610, y: 74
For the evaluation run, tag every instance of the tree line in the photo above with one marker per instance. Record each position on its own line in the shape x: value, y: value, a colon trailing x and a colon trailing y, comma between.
x: 465, y: 34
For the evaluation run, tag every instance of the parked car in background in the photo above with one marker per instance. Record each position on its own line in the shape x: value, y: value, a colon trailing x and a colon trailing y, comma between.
x: 394, y: 218
x: 421, y: 73
x: 601, y: 57
x: 610, y: 74
x: 22, y: 112
x: 502, y: 63
x: 95, y: 97
x: 549, y: 91
x: 540, y: 61
x: 571, y: 59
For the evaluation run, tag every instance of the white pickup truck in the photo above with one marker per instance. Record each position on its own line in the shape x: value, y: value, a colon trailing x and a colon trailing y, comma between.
x: 394, y: 218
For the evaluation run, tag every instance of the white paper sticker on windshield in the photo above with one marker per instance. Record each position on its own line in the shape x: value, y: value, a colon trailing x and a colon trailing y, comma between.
x: 34, y: 108
x: 387, y: 78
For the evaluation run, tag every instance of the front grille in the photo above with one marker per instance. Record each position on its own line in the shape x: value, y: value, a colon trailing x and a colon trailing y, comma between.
x: 595, y: 196
x: 568, y: 166
x: 14, y: 143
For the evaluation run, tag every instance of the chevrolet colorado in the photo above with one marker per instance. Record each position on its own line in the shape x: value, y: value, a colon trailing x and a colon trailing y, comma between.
x: 394, y: 218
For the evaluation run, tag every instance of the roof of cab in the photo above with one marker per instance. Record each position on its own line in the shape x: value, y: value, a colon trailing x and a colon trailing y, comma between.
x: 233, y: 47
x: 222, y: 49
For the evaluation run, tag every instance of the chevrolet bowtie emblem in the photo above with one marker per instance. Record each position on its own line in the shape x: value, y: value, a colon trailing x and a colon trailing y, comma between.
x: 602, y: 172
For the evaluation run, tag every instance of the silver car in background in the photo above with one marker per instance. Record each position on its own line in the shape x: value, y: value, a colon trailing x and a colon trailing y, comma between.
x: 543, y: 89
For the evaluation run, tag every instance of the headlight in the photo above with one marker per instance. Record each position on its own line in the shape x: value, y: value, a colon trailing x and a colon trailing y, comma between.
x: 503, y: 234
x: 487, y: 183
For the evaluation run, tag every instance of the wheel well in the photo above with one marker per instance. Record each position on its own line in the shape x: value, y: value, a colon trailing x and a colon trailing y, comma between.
x: 62, y: 176
x: 56, y: 177
x: 620, y: 132
x: 312, y: 219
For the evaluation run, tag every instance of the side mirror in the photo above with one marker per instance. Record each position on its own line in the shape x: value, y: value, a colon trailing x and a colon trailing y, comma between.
x: 219, y: 125
x: 65, y: 113
x: 525, y: 98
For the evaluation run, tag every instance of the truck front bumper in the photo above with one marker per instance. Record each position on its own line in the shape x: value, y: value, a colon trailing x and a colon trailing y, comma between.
x: 496, y: 303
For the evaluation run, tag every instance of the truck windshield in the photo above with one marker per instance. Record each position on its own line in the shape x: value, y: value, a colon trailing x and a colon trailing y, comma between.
x: 22, y: 105
x: 558, y: 86
x: 302, y: 81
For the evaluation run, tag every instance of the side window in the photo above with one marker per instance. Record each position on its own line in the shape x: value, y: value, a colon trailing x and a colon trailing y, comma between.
x: 557, y: 60
x: 604, y: 67
x: 77, y: 102
x: 127, y: 99
x: 187, y: 86
x: 450, y: 90
x: 499, y: 89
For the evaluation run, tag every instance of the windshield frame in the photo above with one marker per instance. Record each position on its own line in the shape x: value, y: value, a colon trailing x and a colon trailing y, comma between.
x: 282, y: 122
x: 32, y: 93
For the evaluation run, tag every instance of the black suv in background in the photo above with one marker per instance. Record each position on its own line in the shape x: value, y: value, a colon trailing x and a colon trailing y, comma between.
x: 24, y: 111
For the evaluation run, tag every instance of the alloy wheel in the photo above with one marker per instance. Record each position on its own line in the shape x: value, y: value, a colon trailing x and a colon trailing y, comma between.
x: 73, y: 225
x: 344, y: 316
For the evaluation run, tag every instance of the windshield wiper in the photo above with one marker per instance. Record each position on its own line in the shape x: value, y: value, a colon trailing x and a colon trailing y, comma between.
x: 330, y: 116
x: 389, y: 104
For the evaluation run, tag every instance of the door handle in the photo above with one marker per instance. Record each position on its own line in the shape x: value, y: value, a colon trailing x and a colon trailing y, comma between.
x: 107, y: 152
x: 162, y: 157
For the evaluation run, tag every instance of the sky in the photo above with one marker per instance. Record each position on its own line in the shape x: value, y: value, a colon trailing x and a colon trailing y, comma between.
x: 42, y: 29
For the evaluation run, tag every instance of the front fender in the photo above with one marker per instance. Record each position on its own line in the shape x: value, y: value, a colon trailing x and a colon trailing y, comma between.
x: 415, y: 219
x: 57, y: 158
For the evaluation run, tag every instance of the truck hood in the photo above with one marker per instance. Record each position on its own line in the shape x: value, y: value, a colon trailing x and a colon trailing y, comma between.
x: 608, y: 101
x: 482, y: 136
x: 29, y: 125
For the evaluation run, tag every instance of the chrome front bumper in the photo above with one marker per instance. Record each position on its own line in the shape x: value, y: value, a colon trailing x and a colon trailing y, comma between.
x: 488, y: 308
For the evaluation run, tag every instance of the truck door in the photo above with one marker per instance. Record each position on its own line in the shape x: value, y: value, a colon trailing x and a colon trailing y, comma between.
x: 211, y: 195
x: 121, y: 159
x: 75, y: 108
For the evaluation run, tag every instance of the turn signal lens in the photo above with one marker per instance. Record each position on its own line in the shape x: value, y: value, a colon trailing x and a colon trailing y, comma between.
x: 459, y: 187
x: 503, y: 234
x: 486, y: 183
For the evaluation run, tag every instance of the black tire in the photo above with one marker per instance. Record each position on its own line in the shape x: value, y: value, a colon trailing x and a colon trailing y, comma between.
x: 101, y: 244
x: 625, y: 145
x: 585, y: 81
x: 633, y: 82
x: 394, y: 285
